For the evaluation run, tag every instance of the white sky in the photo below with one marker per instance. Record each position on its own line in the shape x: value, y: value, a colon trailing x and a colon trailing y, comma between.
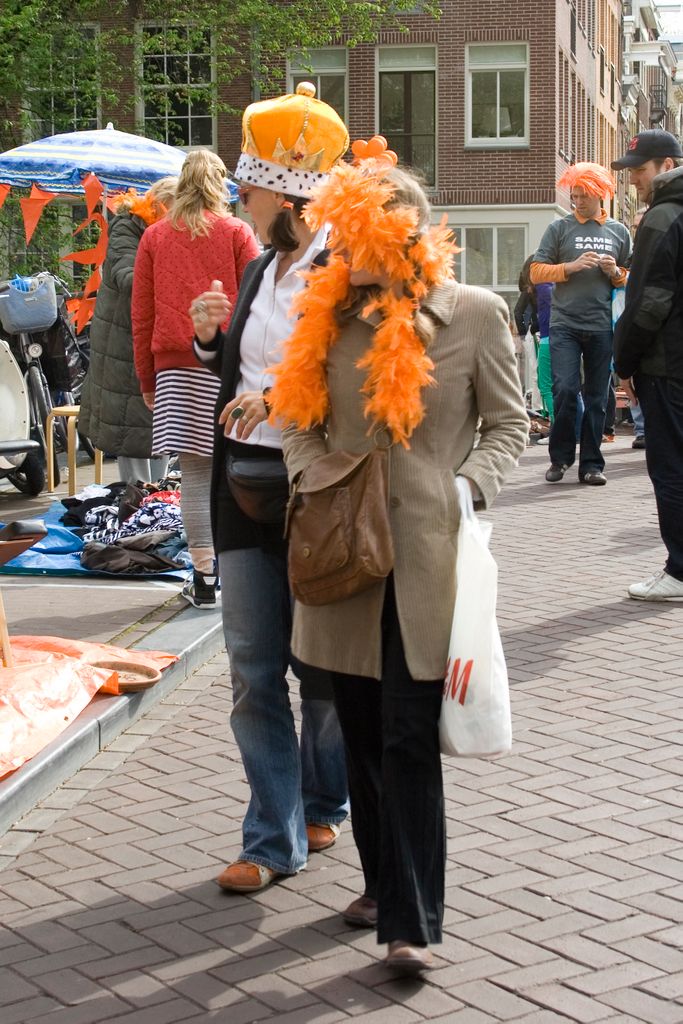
x: 672, y: 19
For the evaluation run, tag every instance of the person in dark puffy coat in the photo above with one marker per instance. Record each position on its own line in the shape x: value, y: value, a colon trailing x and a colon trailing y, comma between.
x: 113, y: 413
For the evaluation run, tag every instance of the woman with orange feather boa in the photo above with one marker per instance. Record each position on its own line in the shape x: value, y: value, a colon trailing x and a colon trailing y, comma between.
x: 389, y: 350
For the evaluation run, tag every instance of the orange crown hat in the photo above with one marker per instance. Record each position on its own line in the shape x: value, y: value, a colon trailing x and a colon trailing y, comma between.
x: 291, y: 142
x: 592, y: 178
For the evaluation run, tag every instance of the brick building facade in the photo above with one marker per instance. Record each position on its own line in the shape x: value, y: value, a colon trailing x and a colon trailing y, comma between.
x: 522, y: 89
x: 491, y: 103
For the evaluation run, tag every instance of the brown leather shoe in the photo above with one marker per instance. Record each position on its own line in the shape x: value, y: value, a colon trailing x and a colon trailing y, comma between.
x: 243, y: 876
x: 321, y: 837
x: 406, y: 959
x: 362, y: 913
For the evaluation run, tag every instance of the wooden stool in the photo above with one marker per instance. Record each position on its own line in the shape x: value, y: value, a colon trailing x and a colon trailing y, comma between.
x: 71, y: 414
x: 15, y: 538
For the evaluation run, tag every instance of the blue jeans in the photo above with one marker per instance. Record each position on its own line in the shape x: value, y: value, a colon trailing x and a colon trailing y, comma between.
x: 662, y: 402
x: 291, y: 784
x: 567, y: 347
x: 638, y: 420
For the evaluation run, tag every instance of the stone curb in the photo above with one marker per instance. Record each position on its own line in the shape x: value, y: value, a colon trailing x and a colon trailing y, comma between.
x: 195, y: 636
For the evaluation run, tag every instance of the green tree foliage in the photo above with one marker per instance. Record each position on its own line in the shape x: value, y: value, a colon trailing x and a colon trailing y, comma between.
x: 254, y: 36
x: 59, y: 65
x: 55, y: 70
x: 51, y: 75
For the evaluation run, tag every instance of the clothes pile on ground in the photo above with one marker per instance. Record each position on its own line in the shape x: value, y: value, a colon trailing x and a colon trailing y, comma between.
x: 129, y: 529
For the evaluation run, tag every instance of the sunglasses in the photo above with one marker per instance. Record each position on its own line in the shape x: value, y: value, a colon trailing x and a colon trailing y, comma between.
x: 243, y: 193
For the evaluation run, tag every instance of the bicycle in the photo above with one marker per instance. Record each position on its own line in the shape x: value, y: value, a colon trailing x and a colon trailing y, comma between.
x: 29, y: 347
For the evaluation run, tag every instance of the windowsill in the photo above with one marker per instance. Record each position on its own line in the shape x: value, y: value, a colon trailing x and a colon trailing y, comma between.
x: 497, y: 144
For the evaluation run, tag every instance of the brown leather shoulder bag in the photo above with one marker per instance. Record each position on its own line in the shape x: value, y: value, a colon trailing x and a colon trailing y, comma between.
x: 338, y: 527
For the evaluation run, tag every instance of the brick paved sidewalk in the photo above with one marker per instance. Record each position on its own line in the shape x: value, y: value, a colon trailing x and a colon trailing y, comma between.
x: 565, y: 859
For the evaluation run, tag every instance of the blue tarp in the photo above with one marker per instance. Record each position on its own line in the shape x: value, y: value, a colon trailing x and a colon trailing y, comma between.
x: 58, y: 554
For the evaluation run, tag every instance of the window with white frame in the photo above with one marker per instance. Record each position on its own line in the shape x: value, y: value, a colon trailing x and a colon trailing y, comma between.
x: 498, y: 94
x: 328, y: 75
x: 492, y: 257
x: 407, y: 105
x: 69, y: 99
x: 176, y: 88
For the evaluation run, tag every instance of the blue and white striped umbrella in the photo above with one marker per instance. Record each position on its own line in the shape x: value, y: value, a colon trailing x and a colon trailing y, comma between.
x: 60, y: 162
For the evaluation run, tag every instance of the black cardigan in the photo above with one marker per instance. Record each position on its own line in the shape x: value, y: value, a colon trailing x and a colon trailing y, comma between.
x: 230, y: 527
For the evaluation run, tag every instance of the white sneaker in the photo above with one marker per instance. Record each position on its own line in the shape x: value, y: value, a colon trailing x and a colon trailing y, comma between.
x: 660, y: 587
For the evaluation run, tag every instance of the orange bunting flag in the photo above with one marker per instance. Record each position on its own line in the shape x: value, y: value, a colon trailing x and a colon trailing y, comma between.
x: 33, y: 207
x: 98, y: 252
x: 86, y: 308
x: 93, y: 283
x: 4, y: 192
x: 93, y: 189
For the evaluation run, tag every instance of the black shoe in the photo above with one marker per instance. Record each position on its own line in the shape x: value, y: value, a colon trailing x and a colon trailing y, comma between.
x: 555, y: 473
x: 361, y: 913
x: 200, y: 590
x: 595, y: 478
x: 638, y: 441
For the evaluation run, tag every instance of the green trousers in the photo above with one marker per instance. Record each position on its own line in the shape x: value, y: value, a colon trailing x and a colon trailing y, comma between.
x: 545, y: 377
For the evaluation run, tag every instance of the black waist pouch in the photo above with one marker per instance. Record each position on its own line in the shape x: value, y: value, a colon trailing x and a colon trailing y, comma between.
x: 259, y: 486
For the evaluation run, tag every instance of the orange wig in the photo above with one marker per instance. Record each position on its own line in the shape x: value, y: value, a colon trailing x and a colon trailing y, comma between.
x: 592, y: 178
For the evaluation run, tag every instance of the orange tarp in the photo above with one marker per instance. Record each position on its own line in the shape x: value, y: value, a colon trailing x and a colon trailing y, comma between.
x: 51, y: 682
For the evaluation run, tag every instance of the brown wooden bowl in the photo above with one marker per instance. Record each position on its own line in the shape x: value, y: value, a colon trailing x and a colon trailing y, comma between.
x: 132, y: 676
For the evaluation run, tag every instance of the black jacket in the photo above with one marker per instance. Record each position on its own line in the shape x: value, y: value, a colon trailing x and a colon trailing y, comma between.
x: 649, y: 333
x: 113, y: 413
x: 231, y: 528
x: 526, y: 317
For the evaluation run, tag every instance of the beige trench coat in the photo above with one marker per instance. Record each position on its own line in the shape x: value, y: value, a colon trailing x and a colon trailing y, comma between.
x: 476, y: 376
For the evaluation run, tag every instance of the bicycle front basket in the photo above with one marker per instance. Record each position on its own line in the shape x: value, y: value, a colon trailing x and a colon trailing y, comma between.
x: 29, y: 305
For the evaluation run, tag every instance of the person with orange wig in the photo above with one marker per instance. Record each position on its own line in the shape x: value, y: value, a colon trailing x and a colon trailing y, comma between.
x: 583, y: 255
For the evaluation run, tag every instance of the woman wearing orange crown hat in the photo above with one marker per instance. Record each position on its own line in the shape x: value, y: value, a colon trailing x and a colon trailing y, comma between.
x: 299, y: 792
x: 390, y: 351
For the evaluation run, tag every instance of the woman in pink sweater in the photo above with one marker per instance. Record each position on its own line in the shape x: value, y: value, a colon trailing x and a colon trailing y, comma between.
x: 178, y: 258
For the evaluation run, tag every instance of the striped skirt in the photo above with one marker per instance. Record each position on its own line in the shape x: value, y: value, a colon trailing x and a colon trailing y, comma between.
x: 184, y: 403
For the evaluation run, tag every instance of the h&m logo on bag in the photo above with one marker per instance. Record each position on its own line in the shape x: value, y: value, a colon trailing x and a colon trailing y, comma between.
x: 457, y: 680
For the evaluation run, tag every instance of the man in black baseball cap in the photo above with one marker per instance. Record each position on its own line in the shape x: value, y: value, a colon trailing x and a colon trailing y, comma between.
x: 649, y: 153
x: 648, y: 342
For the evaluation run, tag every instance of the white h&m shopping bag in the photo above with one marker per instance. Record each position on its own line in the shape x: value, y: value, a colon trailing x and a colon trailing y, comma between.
x: 475, y: 713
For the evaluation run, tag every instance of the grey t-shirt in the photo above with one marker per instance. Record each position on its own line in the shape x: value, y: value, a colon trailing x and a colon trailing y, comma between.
x: 584, y: 300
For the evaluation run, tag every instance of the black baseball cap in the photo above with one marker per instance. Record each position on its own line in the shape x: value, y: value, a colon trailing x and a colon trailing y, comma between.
x: 653, y: 144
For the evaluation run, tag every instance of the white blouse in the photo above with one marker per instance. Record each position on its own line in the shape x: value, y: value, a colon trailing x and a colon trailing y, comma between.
x: 268, y: 325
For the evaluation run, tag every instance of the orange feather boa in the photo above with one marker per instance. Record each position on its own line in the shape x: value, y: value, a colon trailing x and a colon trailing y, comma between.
x: 364, y: 234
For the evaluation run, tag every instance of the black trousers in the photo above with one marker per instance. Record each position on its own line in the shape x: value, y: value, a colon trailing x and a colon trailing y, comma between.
x: 661, y: 399
x: 391, y: 738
